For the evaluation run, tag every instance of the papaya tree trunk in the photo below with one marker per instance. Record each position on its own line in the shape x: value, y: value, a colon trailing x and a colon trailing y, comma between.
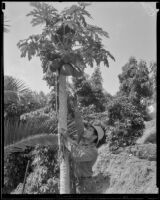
x: 62, y: 124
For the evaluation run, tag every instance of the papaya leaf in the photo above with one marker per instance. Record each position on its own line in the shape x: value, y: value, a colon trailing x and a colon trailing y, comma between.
x: 106, y: 62
x: 110, y: 55
x: 96, y: 29
x: 42, y: 13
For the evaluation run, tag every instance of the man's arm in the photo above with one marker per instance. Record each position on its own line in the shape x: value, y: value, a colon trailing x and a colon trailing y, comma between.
x: 84, y: 154
x: 78, y: 152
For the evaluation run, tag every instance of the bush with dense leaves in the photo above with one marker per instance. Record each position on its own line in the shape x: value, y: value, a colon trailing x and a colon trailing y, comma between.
x: 14, y: 169
x: 44, y: 118
x: 45, y: 175
x: 126, y: 122
x: 136, y: 84
x: 44, y: 113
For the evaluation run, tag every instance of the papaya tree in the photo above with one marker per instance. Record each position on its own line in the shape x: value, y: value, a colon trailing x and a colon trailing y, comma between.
x: 66, y: 46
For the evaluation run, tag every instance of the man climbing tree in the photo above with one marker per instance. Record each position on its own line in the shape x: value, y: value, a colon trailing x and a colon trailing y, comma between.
x: 66, y: 46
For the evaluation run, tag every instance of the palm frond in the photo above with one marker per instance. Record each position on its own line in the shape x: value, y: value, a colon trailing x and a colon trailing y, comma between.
x: 13, y: 84
x: 15, y: 131
x: 18, y: 135
x: 11, y: 97
x: 13, y: 89
x: 42, y: 139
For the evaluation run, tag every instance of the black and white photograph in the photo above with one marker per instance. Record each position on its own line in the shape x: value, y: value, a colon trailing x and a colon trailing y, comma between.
x: 80, y: 98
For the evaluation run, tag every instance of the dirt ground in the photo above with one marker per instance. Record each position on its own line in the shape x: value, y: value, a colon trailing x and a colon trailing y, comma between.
x: 128, y: 171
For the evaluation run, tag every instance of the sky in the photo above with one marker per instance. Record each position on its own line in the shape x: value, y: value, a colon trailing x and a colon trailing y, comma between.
x: 132, y: 32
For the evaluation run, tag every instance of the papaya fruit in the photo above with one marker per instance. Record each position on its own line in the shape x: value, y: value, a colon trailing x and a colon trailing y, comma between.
x: 67, y: 70
x: 66, y: 59
x: 77, y: 72
x: 54, y: 65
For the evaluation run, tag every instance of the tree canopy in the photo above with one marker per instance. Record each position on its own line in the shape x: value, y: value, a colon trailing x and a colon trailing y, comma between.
x: 135, y: 82
x: 66, y: 39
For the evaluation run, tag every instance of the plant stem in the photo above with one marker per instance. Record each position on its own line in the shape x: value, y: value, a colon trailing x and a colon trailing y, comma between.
x: 25, y: 177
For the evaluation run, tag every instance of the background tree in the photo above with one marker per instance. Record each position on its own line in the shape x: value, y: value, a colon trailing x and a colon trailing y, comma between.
x: 97, y: 88
x: 19, y: 99
x: 14, y: 91
x: 90, y: 90
x: 66, y: 45
x: 126, y: 122
x: 135, y: 83
x: 19, y: 119
x: 108, y: 98
x: 43, y: 98
x: 84, y: 90
x: 96, y: 79
x: 153, y: 77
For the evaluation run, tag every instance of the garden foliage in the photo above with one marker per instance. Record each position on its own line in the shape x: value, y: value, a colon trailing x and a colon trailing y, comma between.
x: 14, y: 169
x: 126, y: 123
x: 44, y: 174
x: 136, y: 84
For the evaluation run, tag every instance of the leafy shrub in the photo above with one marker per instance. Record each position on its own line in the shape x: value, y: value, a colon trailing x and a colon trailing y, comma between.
x: 127, y: 123
x: 40, y: 113
x: 136, y: 84
x: 14, y: 169
x: 122, y: 136
x: 15, y: 110
x: 43, y: 171
x: 45, y: 175
x: 44, y: 117
x: 88, y: 109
